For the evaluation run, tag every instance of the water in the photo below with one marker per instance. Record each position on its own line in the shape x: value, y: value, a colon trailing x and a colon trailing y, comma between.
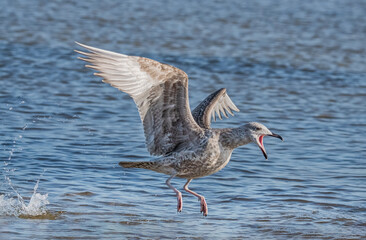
x: 299, y: 67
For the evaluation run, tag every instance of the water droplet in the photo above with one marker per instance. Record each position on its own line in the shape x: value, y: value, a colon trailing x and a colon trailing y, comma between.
x: 10, y: 154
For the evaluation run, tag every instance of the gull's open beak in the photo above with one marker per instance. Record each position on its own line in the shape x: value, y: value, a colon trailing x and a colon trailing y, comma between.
x: 260, y: 143
x: 276, y: 136
x: 261, y: 146
x: 264, y: 152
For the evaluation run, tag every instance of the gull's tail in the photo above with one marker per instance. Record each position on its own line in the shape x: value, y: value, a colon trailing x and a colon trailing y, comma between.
x: 145, y: 165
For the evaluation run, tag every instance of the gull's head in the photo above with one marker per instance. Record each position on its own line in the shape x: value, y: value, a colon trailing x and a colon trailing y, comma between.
x: 257, y: 132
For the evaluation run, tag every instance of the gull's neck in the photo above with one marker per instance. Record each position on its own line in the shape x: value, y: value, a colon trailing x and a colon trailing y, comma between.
x: 234, y: 137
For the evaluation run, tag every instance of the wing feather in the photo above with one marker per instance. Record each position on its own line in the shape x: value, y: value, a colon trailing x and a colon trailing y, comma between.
x: 160, y: 92
x: 216, y: 104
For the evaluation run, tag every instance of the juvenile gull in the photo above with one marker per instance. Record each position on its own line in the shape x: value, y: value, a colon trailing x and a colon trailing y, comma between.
x: 184, y: 141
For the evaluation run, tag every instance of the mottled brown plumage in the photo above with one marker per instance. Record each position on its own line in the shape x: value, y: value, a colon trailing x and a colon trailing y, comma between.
x: 186, y: 144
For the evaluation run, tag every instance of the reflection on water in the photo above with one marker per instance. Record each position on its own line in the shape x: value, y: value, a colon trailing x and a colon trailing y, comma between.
x: 296, y: 66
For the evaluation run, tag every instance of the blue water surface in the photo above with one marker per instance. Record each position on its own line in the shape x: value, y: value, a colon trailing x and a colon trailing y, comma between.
x: 299, y: 67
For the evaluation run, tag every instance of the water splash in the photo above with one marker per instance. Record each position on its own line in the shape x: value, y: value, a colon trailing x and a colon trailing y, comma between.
x: 17, y: 206
x: 12, y: 203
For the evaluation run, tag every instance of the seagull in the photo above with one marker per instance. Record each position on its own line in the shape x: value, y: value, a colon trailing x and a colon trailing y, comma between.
x: 183, y: 142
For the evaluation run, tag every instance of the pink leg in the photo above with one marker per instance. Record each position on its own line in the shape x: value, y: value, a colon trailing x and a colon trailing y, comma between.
x: 179, y: 195
x: 204, y: 208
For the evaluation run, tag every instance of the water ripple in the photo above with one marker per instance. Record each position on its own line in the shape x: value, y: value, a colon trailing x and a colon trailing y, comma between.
x: 296, y: 66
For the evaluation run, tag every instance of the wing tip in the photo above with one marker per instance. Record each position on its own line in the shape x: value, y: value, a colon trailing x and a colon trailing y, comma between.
x: 100, y: 51
x: 80, y: 44
x: 80, y: 52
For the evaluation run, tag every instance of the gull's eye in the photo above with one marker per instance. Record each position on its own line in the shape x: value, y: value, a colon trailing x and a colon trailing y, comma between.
x: 257, y: 128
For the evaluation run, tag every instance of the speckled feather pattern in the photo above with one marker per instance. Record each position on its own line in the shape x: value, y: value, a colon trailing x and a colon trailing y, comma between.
x: 186, y: 144
x: 210, y: 155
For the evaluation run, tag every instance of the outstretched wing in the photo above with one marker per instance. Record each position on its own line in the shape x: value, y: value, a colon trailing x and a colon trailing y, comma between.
x: 216, y: 103
x: 160, y: 92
